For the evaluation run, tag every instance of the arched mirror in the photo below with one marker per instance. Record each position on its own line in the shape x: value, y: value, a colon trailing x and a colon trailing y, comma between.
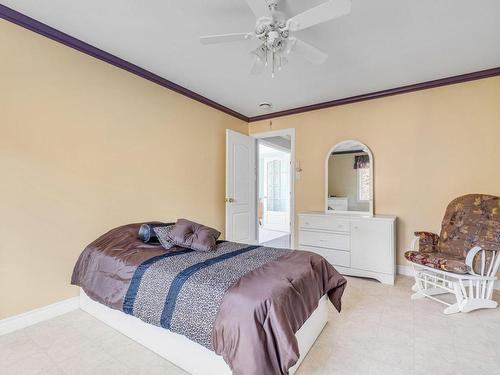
x: 349, y: 179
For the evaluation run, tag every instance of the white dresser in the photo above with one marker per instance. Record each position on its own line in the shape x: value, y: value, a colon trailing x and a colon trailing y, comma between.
x: 355, y: 245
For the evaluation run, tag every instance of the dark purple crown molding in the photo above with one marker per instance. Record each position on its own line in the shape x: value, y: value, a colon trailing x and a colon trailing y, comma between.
x: 45, y: 30
x: 380, y: 94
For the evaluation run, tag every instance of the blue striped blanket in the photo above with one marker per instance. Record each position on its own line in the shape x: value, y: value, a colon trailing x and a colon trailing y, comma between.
x: 182, y: 290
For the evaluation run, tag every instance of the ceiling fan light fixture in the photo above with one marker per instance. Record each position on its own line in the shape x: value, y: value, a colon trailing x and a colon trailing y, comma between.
x: 274, y: 33
x: 260, y: 53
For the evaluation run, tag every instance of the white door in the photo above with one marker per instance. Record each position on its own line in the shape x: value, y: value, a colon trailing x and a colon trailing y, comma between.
x: 240, y: 188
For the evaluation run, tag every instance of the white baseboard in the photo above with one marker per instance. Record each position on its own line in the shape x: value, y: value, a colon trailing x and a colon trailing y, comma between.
x: 405, y: 270
x: 408, y: 271
x: 38, y: 315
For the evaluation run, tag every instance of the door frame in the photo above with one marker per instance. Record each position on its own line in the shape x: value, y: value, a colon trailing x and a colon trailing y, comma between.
x: 275, y: 133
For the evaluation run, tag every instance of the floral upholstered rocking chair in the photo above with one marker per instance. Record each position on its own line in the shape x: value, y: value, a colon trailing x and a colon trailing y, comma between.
x: 464, y: 258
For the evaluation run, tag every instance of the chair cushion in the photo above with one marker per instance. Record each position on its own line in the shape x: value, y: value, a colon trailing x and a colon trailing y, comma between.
x: 470, y: 220
x: 427, y: 242
x: 440, y: 261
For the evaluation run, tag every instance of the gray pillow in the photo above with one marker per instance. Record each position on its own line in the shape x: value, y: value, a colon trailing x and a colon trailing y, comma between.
x: 162, y: 233
x: 194, y: 236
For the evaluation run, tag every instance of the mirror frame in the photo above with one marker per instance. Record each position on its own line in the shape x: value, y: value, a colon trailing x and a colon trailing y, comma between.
x: 362, y: 213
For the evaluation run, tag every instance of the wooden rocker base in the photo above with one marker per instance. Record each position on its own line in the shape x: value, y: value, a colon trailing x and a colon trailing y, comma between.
x: 470, y: 305
x: 427, y: 292
x: 472, y: 292
x: 467, y: 305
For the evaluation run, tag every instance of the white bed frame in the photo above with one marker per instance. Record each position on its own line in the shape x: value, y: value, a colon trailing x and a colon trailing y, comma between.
x: 180, y: 350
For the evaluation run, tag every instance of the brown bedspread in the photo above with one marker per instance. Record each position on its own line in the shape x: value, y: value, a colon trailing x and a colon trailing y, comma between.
x: 106, y: 266
x: 259, y: 314
x: 271, y: 303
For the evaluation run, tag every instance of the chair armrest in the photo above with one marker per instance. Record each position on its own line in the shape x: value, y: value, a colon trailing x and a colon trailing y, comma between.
x: 428, y: 242
x: 486, y: 264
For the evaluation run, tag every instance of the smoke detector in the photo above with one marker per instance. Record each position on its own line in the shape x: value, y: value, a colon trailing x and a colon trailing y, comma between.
x: 265, y: 106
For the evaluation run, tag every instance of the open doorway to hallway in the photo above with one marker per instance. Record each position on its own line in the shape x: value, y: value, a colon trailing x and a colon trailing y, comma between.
x: 274, y: 188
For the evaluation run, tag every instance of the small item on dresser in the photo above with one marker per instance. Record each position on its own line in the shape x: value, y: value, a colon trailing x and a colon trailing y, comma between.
x: 194, y: 236
x: 163, y: 233
x: 147, y: 234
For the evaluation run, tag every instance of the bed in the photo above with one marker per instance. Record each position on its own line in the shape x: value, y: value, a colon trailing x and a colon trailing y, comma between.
x: 241, y: 309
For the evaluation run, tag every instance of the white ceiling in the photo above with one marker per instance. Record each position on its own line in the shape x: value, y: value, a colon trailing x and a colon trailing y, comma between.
x: 382, y: 44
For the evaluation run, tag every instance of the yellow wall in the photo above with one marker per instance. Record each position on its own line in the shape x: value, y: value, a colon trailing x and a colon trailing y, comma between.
x: 428, y: 147
x: 85, y: 147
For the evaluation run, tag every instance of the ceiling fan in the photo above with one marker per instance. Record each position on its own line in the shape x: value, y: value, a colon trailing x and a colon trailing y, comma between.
x: 276, y: 33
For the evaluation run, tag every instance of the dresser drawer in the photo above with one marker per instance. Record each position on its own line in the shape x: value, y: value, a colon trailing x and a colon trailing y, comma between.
x: 325, y: 239
x: 335, y: 257
x: 324, y: 222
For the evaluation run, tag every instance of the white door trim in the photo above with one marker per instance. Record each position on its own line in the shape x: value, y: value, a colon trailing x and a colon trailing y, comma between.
x: 291, y: 133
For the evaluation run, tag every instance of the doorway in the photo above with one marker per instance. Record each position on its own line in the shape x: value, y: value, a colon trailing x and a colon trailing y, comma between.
x: 260, y: 178
x: 275, y: 189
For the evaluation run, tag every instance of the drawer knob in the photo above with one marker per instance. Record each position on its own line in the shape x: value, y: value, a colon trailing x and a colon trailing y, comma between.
x: 355, y: 227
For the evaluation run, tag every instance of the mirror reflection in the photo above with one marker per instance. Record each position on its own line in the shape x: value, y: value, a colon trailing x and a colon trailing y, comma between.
x: 349, y: 178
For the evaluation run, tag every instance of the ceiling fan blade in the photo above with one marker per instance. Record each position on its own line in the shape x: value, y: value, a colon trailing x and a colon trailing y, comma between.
x: 319, y: 14
x: 310, y: 53
x: 225, y: 38
x: 259, y: 7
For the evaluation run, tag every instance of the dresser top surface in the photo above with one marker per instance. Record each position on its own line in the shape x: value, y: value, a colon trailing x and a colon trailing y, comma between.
x: 347, y: 216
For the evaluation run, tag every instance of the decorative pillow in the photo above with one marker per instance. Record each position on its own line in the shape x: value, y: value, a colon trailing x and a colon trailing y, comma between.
x: 147, y: 233
x: 194, y: 236
x: 163, y: 233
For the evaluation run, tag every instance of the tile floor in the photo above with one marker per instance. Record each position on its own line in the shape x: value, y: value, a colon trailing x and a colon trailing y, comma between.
x: 380, y: 331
